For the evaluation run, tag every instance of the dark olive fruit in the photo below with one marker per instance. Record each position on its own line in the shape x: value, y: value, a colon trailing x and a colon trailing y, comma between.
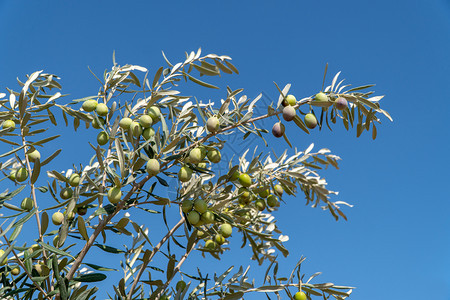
x: 96, y: 124
x: 195, y: 155
x: 310, y: 121
x: 245, y: 180
x: 260, y: 204
x: 193, y: 217
x: 9, y: 124
x: 146, y: 121
x: 187, y: 205
x: 114, y: 195
x: 264, y: 193
x: 278, y: 129
x: 152, y: 167
x: 21, y: 174
x: 34, y: 155
x: 184, y: 174
x: 321, y: 97
x: 101, y: 109
x: 272, y: 201
x: 102, y: 138
x: 289, y: 113
x: 214, y: 156
x: 57, y: 218
x: 226, y: 230
x: 81, y: 211
x: 125, y: 123
x: 181, y: 285
x: 200, y: 205
x: 300, y: 296
x: 74, y: 179
x: 341, y: 103
x: 213, y: 124
x: 66, y: 193
x: 89, y: 105
x: 155, y: 113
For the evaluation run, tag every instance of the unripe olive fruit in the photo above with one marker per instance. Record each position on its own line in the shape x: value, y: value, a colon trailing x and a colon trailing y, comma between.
x: 207, y: 217
x: 148, y: 133
x: 278, y: 130
x: 214, y: 156
x: 187, y: 205
x: 226, y: 230
x: 195, y: 155
x: 300, y: 296
x: 200, y: 205
x: 264, y: 193
x: 244, y: 193
x: 152, y: 167
x: 9, y: 124
x: 213, y: 124
x: 21, y: 174
x: 136, y: 129
x: 272, y: 201
x: 96, y: 124
x: 321, y: 97
x: 101, y: 109
x: 219, y: 239
x: 146, y: 121
x: 181, y: 285
x: 260, y: 204
x: 310, y: 121
x: 55, y: 241
x: 341, y: 103
x: 234, y: 176
x: 15, y: 271
x: 57, y: 218
x: 245, y: 180
x: 66, y: 193
x: 203, y: 150
x: 34, y: 155
x: 155, y: 113
x: 114, y: 195
x: 278, y: 189
x: 291, y: 100
x: 2, y: 263
x: 164, y: 297
x: 74, y: 179
x: 89, y: 105
x: 184, y: 174
x: 42, y: 269
x: 27, y: 204
x: 289, y: 113
x: 193, y: 217
x: 202, y: 165
x: 102, y: 138
x: 12, y: 175
x: 125, y: 123
x: 210, y: 244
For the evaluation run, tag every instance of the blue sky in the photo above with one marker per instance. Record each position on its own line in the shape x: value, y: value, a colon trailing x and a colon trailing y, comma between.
x: 396, y: 242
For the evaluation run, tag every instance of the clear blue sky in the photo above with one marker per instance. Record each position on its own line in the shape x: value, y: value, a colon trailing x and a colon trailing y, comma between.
x: 396, y: 243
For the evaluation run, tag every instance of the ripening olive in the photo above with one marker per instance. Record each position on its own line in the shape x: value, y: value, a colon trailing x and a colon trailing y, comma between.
x: 341, y: 103
x: 278, y: 129
x: 310, y: 121
x: 289, y: 113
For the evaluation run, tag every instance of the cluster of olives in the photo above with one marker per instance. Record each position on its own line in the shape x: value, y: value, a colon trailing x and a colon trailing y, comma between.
x: 197, y: 212
x: 212, y: 243
x: 143, y: 126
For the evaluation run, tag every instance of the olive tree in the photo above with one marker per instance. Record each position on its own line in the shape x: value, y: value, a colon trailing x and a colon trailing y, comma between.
x: 150, y: 135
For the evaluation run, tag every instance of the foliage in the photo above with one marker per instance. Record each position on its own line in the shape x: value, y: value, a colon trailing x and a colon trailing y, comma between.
x: 131, y: 166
